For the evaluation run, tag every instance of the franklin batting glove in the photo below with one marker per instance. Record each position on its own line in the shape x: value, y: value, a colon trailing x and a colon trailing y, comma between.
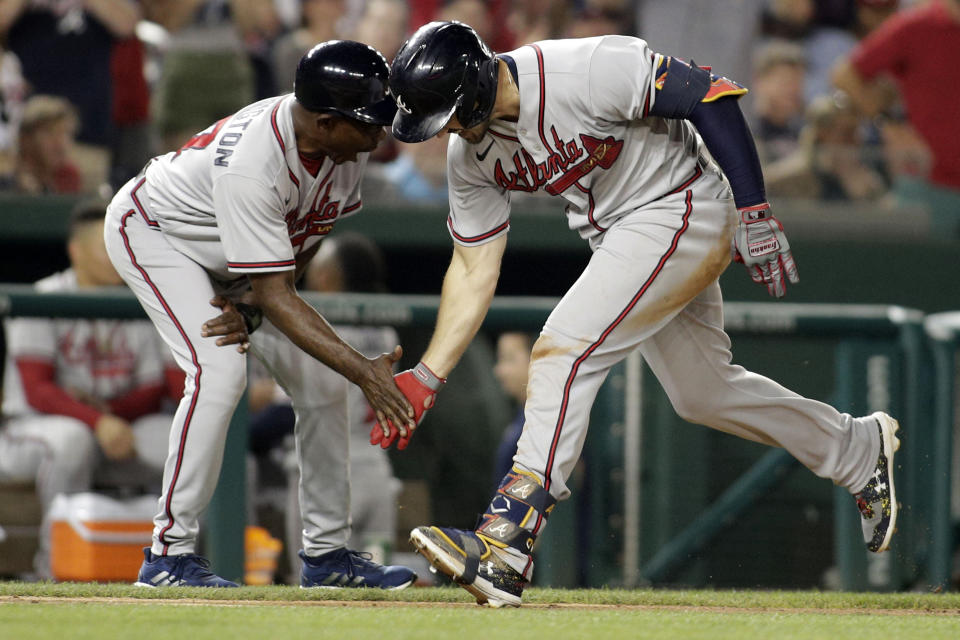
x: 420, y: 386
x: 760, y: 244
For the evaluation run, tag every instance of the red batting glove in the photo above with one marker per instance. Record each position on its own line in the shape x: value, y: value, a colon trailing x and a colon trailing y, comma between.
x: 420, y: 386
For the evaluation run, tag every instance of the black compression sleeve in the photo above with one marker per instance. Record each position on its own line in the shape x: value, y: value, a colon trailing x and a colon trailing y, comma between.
x: 724, y: 130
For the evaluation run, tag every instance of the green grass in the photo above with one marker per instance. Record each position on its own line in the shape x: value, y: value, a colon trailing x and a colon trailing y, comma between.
x: 76, y: 611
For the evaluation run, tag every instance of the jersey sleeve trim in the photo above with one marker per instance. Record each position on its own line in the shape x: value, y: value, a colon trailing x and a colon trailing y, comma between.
x: 275, y: 264
x: 478, y: 238
x: 652, y: 85
x: 721, y: 86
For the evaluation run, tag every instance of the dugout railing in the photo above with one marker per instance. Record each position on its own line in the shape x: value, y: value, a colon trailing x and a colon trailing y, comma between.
x: 943, y: 333
x: 881, y: 362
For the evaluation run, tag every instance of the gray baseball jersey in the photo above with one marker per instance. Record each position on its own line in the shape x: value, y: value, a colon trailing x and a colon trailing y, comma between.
x: 238, y: 199
x: 659, y: 217
x: 583, y: 136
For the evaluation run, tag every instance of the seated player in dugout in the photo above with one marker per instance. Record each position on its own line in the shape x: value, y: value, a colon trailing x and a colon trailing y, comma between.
x: 619, y: 132
x: 84, y: 398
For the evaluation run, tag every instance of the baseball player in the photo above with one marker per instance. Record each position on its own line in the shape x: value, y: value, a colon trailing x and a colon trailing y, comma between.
x: 230, y: 219
x: 83, y: 398
x: 618, y: 131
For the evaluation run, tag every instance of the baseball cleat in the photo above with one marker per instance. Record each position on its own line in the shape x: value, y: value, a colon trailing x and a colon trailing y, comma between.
x: 188, y: 570
x: 877, y: 501
x: 344, y: 568
x: 470, y: 562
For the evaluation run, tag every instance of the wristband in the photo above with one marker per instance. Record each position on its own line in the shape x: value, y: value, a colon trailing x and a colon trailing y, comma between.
x: 428, y: 378
x: 756, y: 212
x: 252, y: 316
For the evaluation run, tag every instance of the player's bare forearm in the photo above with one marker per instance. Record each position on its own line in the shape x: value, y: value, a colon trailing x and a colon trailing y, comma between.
x: 276, y: 295
x: 468, y: 289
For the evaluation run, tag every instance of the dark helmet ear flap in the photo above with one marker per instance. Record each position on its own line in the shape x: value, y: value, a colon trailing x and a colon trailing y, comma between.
x: 479, y: 106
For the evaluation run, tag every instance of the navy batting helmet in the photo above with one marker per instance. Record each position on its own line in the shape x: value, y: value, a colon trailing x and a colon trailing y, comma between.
x: 444, y: 69
x: 345, y: 77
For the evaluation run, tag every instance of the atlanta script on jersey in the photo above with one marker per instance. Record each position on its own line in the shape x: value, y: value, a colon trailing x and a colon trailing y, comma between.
x: 583, y: 136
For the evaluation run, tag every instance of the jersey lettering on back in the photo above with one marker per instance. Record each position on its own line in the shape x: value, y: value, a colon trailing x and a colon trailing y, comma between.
x: 202, y: 140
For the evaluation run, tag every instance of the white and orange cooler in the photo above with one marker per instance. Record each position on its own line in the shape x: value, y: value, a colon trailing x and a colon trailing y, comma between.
x: 97, y: 538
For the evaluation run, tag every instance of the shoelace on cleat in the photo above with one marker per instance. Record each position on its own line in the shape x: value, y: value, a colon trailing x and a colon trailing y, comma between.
x: 359, y: 560
x: 182, y: 562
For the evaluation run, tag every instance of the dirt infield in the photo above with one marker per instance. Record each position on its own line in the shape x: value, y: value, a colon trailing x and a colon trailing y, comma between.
x: 193, y: 602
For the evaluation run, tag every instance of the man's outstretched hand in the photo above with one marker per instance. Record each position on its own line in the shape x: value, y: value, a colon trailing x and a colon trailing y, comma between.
x: 420, y: 386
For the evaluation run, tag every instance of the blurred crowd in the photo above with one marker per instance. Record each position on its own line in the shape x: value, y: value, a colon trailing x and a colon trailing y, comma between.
x: 850, y: 100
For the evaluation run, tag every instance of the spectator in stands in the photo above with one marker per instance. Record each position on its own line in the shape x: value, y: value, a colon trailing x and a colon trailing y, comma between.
x: 916, y: 47
x: 207, y: 73
x: 320, y: 21
x: 719, y: 33
x: 829, y: 163
x: 539, y: 19
x: 13, y: 93
x: 597, y: 21
x: 82, y: 398
x: 132, y: 144
x: 383, y: 26
x: 418, y: 174
x: 776, y: 99
x: 827, y: 42
x: 47, y: 130
x: 476, y: 13
x: 65, y: 49
x: 346, y: 262
x: 870, y: 14
x: 826, y: 29
x: 513, y: 363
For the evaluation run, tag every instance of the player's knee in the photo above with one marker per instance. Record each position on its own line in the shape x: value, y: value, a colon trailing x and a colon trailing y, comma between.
x: 693, y: 407
x: 225, y: 372
x: 554, y: 349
